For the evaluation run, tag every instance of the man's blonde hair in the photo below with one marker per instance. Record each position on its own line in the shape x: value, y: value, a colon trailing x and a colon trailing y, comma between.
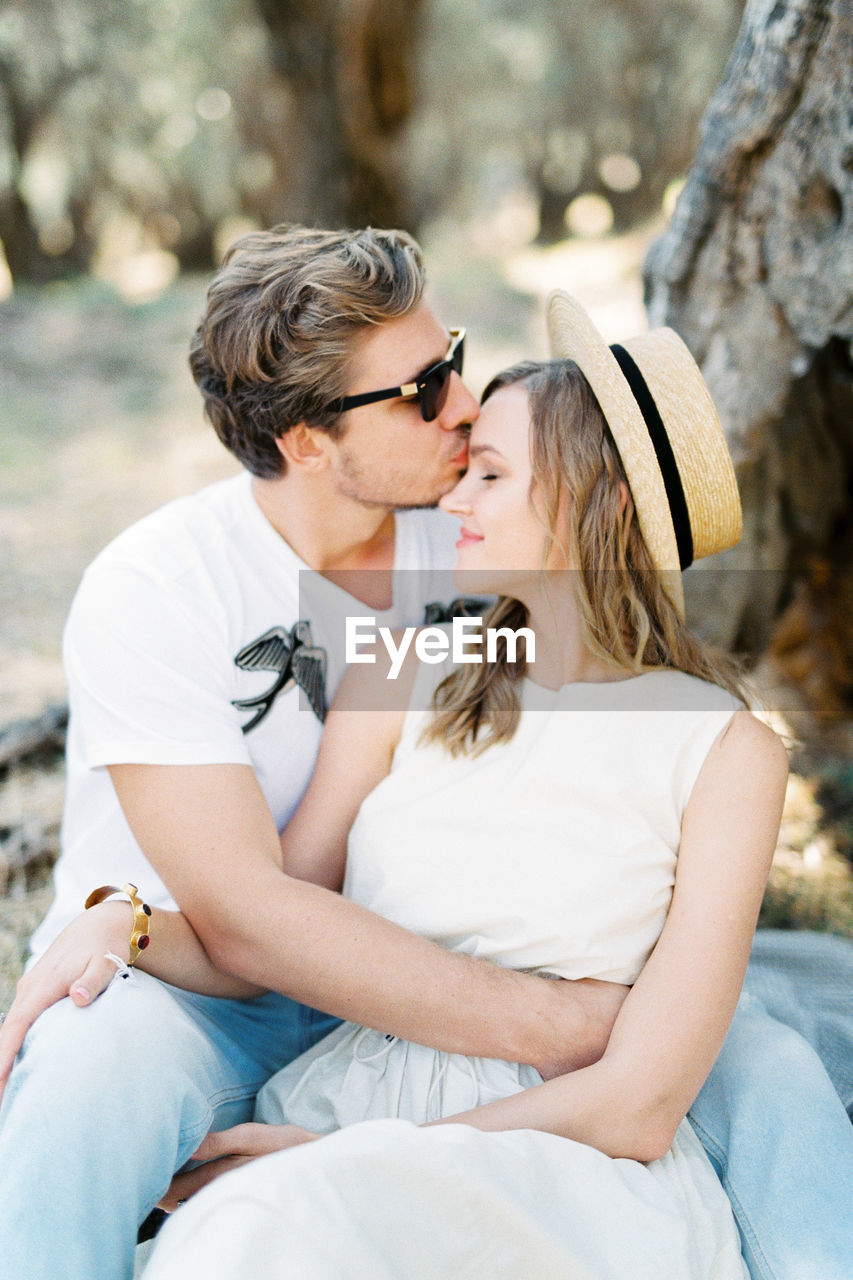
x: 274, y: 345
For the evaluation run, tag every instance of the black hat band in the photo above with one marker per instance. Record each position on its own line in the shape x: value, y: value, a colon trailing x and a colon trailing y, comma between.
x: 663, y: 452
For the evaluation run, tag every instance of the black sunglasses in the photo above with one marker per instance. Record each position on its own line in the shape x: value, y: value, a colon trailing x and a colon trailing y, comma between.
x: 430, y: 387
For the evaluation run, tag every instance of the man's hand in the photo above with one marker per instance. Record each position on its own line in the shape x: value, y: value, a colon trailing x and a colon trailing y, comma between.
x: 75, y: 965
x: 589, y: 1009
x: 228, y: 1150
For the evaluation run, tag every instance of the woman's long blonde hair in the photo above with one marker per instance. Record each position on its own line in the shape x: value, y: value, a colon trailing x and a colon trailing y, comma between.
x: 628, y: 619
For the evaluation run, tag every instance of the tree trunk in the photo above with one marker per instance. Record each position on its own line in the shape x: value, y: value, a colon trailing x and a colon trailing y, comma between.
x: 350, y: 67
x: 756, y: 273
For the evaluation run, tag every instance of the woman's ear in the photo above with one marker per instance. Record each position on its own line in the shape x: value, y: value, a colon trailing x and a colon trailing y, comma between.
x: 623, y: 495
x: 305, y: 447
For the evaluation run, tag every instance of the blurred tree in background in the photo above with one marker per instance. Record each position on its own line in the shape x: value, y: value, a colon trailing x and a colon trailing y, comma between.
x: 133, y: 125
x: 159, y: 126
x: 350, y: 68
x: 561, y: 103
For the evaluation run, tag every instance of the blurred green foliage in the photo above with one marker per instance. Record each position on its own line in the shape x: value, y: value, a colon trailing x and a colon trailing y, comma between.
x: 150, y: 126
x: 561, y: 100
x: 130, y: 125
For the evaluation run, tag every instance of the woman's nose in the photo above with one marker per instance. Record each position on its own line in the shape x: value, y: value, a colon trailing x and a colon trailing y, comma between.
x: 456, y: 501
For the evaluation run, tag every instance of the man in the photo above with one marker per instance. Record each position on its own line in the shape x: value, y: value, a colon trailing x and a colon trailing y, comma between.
x: 188, y: 748
x: 193, y: 665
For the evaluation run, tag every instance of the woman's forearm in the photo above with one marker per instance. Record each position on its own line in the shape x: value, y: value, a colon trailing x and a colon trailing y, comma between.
x: 599, y: 1105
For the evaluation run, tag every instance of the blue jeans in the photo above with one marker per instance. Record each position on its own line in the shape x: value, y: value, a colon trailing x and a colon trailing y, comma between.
x: 781, y: 1142
x: 105, y: 1103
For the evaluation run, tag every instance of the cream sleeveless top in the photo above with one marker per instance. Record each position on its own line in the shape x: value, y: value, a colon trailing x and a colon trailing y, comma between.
x: 553, y: 852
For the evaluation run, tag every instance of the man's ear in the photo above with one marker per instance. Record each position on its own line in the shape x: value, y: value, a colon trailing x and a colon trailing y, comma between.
x: 305, y: 447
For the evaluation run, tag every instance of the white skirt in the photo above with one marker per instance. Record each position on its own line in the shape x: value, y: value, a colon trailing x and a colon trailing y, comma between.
x: 384, y: 1199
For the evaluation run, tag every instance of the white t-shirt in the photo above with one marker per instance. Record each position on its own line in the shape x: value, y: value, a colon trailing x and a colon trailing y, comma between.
x: 195, y: 608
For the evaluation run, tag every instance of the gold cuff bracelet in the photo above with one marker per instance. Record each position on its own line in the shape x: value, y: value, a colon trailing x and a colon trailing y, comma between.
x: 139, y: 938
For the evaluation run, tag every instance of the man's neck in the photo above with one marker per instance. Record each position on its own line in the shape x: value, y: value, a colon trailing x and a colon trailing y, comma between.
x: 335, y: 535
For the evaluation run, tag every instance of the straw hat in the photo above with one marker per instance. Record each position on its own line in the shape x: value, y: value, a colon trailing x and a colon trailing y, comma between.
x: 662, y: 418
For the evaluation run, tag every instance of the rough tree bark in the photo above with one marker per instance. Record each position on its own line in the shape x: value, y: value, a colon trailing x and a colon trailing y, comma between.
x: 756, y: 273
x: 350, y: 66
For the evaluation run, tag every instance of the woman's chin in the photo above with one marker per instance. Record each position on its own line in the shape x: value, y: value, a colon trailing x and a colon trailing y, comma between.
x: 482, y: 580
x: 474, y: 579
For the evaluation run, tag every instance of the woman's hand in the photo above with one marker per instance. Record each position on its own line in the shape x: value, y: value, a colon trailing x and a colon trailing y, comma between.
x: 74, y: 965
x: 227, y: 1150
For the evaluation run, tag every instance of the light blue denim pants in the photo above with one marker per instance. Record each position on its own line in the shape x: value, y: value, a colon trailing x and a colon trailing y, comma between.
x: 105, y: 1103
x: 771, y: 1119
x: 782, y: 1144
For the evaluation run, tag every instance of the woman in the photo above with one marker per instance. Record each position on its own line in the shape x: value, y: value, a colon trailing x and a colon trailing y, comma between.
x: 607, y: 810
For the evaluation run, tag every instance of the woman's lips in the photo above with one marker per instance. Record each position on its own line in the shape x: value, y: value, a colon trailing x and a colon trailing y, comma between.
x: 467, y: 538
